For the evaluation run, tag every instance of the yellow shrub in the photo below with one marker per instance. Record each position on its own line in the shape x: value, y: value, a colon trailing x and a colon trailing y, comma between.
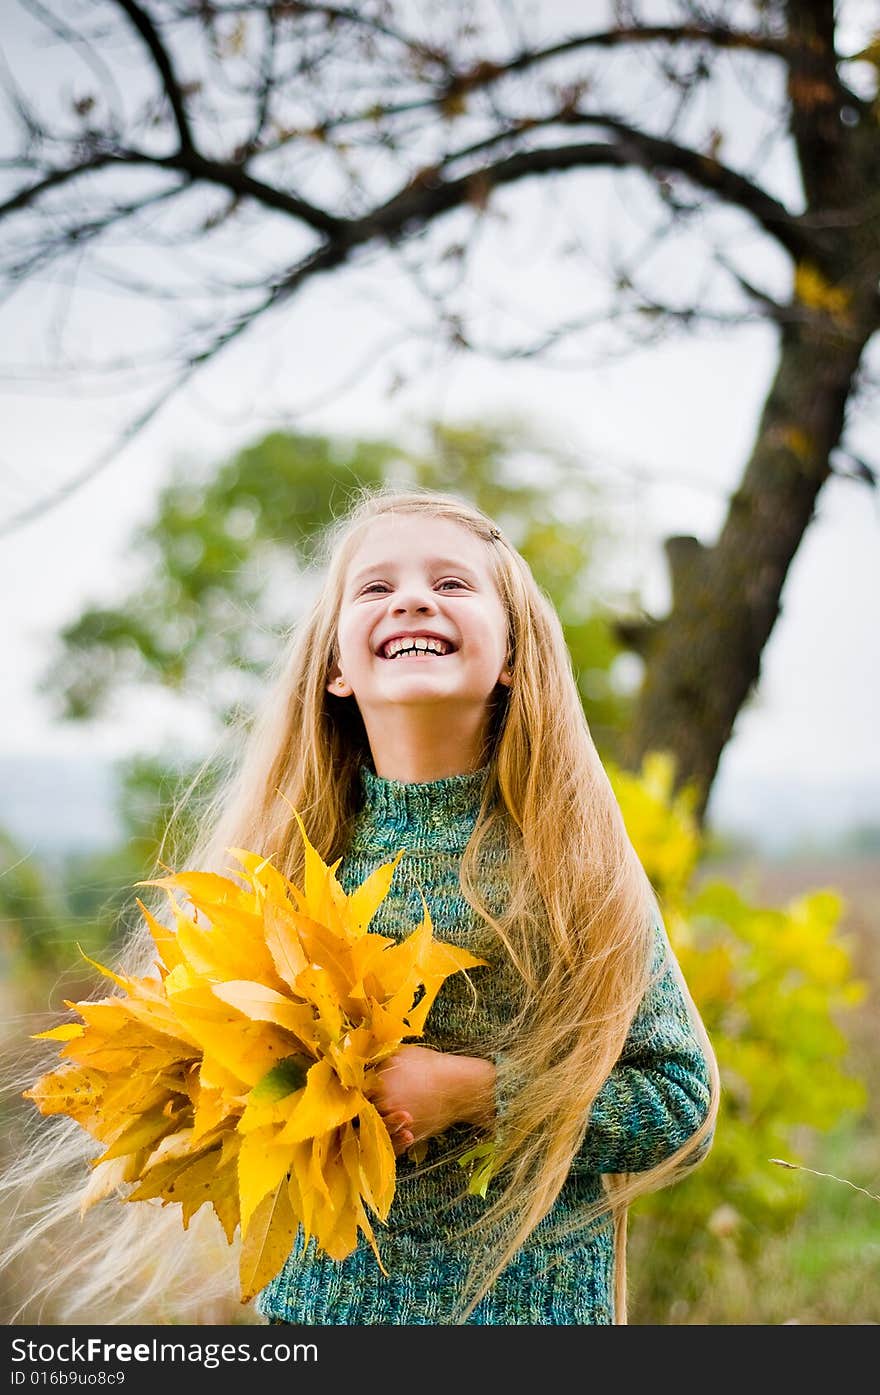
x: 771, y: 984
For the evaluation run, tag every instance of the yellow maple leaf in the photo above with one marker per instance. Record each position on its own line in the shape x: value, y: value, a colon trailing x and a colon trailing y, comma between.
x: 236, y: 1076
x: 268, y: 1242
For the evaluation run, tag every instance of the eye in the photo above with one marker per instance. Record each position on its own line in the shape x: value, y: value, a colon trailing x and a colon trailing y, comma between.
x: 377, y: 587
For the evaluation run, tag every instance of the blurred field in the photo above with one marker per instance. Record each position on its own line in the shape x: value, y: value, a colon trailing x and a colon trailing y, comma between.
x: 826, y: 1269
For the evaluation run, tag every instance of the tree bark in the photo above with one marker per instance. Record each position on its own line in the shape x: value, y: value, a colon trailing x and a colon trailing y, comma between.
x: 703, y: 660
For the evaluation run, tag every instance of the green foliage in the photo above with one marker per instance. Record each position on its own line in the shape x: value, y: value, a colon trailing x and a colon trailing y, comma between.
x: 231, y: 555
x: 218, y: 571
x: 771, y: 985
x: 30, y: 909
x: 43, y: 929
x: 49, y: 910
x: 100, y: 886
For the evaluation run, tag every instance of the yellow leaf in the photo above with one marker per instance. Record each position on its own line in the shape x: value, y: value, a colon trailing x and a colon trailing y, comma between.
x: 389, y: 1025
x: 262, y: 1004
x: 365, y: 953
x: 265, y: 879
x: 324, y: 1104
x: 205, y: 887
x: 163, y: 938
x: 364, y: 902
x: 72, y: 1091
x: 224, y: 1190
x: 350, y: 1153
x: 376, y: 1159
x: 274, y: 1097
x: 315, y: 898
x: 183, y: 1180
x: 313, y: 1182
x: 133, y: 1093
x: 65, y: 1033
x: 813, y: 290
x: 398, y: 968
x: 246, y: 1050
x: 415, y: 1018
x: 282, y: 939
x: 107, y: 973
x: 350, y: 1056
x: 211, y: 1109
x: 269, y: 1241
x: 181, y: 1144
x: 219, y: 954
x: 297, y: 1186
x: 331, y: 952
x: 441, y: 960
x: 107, y: 1178
x: 316, y: 986
x: 141, y: 1132
x: 340, y: 1223
x: 263, y: 1163
x: 115, y: 1038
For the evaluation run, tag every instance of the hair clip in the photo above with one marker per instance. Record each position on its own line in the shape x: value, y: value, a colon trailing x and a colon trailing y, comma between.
x: 495, y: 533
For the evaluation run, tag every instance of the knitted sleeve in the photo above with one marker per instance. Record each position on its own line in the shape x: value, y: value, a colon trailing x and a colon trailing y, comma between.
x: 658, y: 1094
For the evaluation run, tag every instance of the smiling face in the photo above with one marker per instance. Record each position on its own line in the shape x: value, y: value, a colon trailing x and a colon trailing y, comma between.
x: 421, y: 622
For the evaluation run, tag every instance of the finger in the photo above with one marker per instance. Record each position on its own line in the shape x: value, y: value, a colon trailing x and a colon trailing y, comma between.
x: 373, y: 1084
x: 396, y: 1120
x: 402, y: 1141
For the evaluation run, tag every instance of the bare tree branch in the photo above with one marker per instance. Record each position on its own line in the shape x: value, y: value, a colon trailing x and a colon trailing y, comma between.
x: 427, y: 196
x: 150, y: 35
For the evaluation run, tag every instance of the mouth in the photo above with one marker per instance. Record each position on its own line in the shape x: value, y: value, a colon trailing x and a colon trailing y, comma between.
x: 415, y: 647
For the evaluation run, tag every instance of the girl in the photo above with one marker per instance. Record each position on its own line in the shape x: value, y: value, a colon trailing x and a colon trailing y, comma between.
x: 428, y: 703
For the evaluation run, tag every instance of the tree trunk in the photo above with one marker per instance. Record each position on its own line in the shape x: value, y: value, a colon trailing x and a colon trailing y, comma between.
x: 705, y: 657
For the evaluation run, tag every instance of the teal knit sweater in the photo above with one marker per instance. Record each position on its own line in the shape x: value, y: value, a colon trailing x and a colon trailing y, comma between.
x: 654, y: 1099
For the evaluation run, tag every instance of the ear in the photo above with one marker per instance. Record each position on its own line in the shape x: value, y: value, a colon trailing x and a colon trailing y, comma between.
x: 505, y: 677
x: 338, y: 686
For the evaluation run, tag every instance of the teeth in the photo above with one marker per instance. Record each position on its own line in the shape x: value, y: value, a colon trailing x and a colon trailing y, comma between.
x: 418, y: 645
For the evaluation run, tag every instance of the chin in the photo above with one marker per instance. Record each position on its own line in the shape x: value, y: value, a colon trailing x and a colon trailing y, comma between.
x: 414, y: 687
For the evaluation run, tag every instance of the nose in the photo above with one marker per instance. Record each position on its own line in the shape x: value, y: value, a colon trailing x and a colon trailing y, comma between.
x: 413, y: 597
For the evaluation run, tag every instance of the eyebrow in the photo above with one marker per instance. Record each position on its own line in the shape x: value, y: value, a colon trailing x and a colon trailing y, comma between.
x: 435, y: 563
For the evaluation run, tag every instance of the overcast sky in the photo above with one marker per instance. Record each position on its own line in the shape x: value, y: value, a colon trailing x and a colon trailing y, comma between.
x: 667, y: 431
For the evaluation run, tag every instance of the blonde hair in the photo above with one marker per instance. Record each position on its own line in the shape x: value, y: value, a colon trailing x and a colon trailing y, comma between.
x: 581, y: 945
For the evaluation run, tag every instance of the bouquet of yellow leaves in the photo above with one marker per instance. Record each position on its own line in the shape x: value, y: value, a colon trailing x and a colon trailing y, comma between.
x: 236, y: 1075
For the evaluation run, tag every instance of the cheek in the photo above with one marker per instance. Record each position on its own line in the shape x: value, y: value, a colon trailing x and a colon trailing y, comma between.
x: 352, y: 637
x: 499, y: 628
x: 346, y: 625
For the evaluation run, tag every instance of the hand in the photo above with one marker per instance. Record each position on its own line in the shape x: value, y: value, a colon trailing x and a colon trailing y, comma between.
x: 420, y: 1092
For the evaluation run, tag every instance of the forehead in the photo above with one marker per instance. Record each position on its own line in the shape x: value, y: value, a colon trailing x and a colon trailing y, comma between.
x: 405, y: 539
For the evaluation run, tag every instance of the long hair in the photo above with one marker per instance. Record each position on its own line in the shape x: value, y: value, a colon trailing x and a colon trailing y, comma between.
x: 581, y: 945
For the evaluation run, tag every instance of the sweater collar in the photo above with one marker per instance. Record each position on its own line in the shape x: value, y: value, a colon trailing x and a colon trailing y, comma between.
x: 431, y: 815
